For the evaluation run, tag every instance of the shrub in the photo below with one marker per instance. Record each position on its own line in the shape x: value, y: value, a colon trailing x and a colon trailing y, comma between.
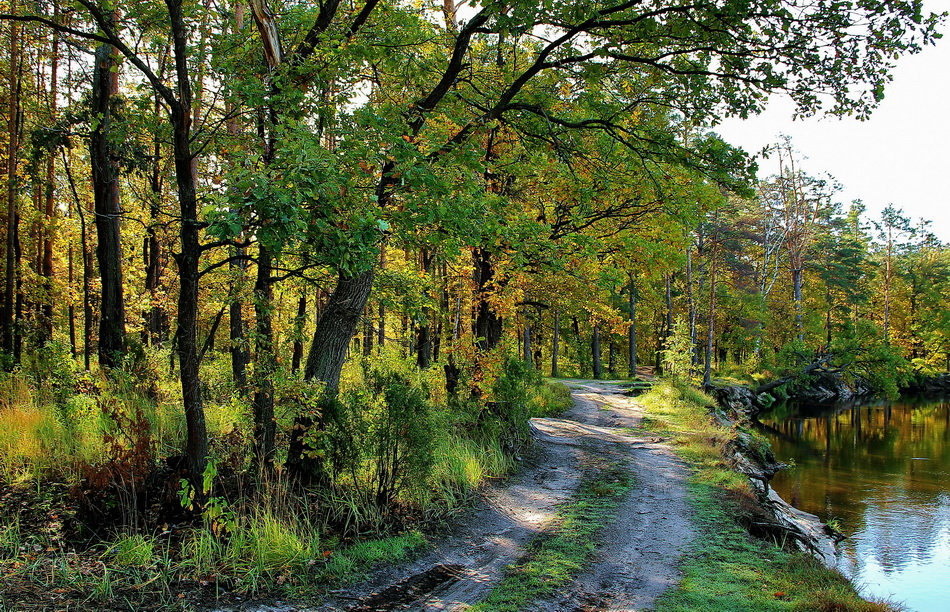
x: 377, y: 440
x: 507, y: 417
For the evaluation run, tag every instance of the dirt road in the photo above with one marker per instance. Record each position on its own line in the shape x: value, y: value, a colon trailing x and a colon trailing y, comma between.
x: 638, y: 552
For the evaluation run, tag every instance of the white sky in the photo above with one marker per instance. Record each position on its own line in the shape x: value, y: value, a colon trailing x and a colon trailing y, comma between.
x: 901, y: 155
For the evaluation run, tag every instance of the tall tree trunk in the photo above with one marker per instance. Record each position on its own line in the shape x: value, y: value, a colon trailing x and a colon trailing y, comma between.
x: 265, y: 365
x: 612, y: 359
x: 71, y: 307
x: 86, y: 264
x: 887, y: 285
x: 13, y: 146
x: 488, y: 323
x: 368, y: 332
x: 381, y: 317
x: 692, y: 308
x: 300, y: 322
x: 156, y: 320
x: 49, y: 210
x: 710, y: 321
x: 555, y: 344
x: 595, y: 351
x: 424, y: 329
x: 18, y: 319
x: 237, y: 341
x: 528, y: 357
x: 632, y: 330
x: 797, y: 295
x: 189, y: 257
x: 105, y: 180
x: 335, y: 328
x: 668, y: 318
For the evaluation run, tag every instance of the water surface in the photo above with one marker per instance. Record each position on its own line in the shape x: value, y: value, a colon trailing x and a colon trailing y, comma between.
x: 882, y: 472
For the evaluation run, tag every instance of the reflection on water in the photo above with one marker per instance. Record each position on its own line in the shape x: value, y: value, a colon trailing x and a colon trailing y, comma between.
x: 881, y: 470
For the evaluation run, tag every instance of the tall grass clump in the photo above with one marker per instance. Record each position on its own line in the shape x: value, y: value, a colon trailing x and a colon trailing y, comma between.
x: 264, y: 547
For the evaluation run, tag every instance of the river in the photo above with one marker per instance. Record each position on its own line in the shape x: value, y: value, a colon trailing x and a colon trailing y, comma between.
x: 881, y: 473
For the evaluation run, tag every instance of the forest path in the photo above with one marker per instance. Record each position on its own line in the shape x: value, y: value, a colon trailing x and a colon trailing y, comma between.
x: 639, y: 550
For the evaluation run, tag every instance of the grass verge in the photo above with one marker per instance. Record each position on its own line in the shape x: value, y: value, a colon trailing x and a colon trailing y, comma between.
x: 727, y: 569
x: 556, y: 557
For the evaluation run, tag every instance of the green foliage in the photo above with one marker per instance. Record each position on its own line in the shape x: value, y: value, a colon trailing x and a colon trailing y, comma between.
x: 379, y: 436
x: 135, y: 550
x: 550, y: 399
x: 678, y: 354
x: 53, y: 372
x: 262, y: 548
x: 507, y: 418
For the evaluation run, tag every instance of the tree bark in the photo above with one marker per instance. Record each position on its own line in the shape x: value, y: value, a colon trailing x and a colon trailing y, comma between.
x: 710, y: 322
x: 488, y: 323
x: 693, y: 358
x: 105, y: 180
x: 632, y: 330
x: 555, y: 344
x: 156, y: 320
x: 595, y: 351
x: 300, y: 322
x: 528, y: 357
x: 424, y: 329
x: 45, y: 327
x: 14, y: 109
x: 188, y: 259
x: 336, y: 327
x: 265, y: 365
x: 797, y: 295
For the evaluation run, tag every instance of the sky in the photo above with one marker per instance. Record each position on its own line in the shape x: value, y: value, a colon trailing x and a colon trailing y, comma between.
x: 901, y: 155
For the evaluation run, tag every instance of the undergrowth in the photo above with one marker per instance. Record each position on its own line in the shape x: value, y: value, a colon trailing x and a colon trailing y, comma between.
x: 92, y: 510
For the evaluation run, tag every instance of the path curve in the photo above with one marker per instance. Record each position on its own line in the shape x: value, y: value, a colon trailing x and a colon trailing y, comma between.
x: 639, y: 553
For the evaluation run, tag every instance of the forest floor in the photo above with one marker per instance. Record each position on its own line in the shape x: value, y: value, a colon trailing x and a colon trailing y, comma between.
x: 636, y: 553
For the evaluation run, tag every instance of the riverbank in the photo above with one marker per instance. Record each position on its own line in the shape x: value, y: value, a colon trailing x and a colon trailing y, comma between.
x: 728, y: 568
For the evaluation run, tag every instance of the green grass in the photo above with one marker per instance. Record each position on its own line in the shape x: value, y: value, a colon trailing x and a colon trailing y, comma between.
x: 556, y: 557
x: 726, y: 569
x: 550, y: 399
x: 352, y: 562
